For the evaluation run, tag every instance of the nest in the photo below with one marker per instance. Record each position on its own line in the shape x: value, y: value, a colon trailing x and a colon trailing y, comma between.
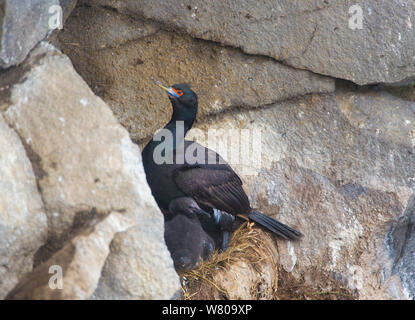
x: 254, y: 248
x: 246, y: 244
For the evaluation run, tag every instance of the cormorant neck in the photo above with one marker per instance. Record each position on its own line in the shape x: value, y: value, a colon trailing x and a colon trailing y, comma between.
x: 175, y: 122
x: 181, y: 121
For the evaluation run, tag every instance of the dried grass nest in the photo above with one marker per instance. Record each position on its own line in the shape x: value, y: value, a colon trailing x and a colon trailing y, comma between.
x: 246, y: 244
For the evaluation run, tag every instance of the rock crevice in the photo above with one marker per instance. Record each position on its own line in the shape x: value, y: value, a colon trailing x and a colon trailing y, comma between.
x: 335, y: 156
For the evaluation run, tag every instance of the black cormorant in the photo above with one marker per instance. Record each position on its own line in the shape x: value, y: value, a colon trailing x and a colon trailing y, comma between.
x: 212, y: 184
x: 185, y: 238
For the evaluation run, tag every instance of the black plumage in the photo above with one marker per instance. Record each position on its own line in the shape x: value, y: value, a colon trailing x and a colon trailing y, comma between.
x: 212, y: 183
x: 185, y: 238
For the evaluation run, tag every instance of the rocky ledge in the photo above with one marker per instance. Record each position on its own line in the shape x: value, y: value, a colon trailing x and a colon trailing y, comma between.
x: 333, y: 105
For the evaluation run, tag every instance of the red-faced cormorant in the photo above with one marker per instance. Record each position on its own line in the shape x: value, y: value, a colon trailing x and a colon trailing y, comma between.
x: 212, y: 184
x: 188, y: 243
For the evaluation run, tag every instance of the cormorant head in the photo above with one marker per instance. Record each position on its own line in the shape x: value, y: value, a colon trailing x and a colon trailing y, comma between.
x: 184, y: 260
x: 183, y: 99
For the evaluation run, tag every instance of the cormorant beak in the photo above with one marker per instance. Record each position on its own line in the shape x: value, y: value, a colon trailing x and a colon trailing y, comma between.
x: 171, y: 91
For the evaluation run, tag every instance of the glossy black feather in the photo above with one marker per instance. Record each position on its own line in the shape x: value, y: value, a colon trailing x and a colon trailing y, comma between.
x: 211, y: 182
x: 185, y: 238
x: 276, y: 227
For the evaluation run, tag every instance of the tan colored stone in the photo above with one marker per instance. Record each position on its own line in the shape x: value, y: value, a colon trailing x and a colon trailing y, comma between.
x: 121, y: 71
x: 23, y: 224
x: 87, y: 166
x: 73, y: 272
x: 317, y: 35
x: 341, y: 175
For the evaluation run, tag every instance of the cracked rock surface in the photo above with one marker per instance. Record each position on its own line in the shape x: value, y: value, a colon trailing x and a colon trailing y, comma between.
x: 119, y: 69
x: 313, y: 35
x: 342, y: 182
x: 318, y: 138
x: 79, y: 263
x: 23, y: 225
x: 86, y: 168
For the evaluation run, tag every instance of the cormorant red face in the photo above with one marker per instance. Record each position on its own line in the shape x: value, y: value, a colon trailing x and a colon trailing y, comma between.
x: 181, y: 92
x: 175, y: 93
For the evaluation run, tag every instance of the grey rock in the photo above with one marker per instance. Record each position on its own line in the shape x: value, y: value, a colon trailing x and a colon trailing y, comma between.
x: 339, y: 168
x: 23, y: 24
x: 361, y: 136
x: 67, y: 7
x: 23, y: 224
x: 313, y: 35
x: 73, y: 272
x: 401, y: 241
x: 103, y: 28
x: 125, y: 274
x: 118, y: 56
x: 86, y: 167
